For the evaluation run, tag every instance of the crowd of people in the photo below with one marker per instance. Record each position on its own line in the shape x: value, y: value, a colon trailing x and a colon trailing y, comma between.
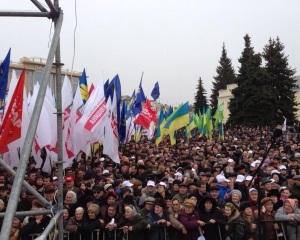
x: 241, y: 187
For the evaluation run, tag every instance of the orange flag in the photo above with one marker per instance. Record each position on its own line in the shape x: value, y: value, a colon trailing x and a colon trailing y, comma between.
x: 12, y: 123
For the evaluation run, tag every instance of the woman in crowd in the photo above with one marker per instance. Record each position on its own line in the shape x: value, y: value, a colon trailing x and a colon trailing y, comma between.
x: 90, y: 223
x: 134, y: 224
x: 236, y: 196
x: 190, y: 220
x: 112, y: 221
x: 249, y: 219
x: 209, y: 213
x: 291, y: 215
x: 74, y: 224
x: 253, y: 197
x: 158, y: 220
x: 177, y: 228
x: 234, y: 228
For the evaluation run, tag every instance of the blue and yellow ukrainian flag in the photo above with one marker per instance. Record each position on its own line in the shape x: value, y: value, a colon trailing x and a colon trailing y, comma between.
x: 83, y: 86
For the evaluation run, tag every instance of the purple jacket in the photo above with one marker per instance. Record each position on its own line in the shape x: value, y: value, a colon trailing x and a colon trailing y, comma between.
x: 190, y: 222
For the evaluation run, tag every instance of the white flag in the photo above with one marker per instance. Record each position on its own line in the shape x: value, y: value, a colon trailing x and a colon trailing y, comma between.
x: 111, y: 141
x: 284, y: 125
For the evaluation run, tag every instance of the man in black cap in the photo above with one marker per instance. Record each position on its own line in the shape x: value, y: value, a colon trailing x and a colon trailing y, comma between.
x: 200, y: 192
x: 98, y: 195
x: 266, y: 187
x: 214, y: 193
x: 296, y: 186
x: 49, y: 194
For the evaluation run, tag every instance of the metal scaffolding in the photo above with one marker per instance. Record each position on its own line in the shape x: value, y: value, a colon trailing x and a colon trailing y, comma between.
x: 55, y: 15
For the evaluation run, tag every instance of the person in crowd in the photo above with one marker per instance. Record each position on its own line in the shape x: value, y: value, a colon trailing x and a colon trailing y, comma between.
x: 148, y: 191
x: 161, y: 191
x: 249, y: 219
x: 235, y: 198
x: 91, y: 223
x: 111, y: 221
x: 177, y: 228
x: 235, y: 225
x: 210, y: 214
x: 182, y: 195
x: 190, y: 220
x: 158, y: 220
x: 275, y: 196
x: 214, y: 193
x: 289, y: 213
x: 74, y: 224
x: 71, y: 202
x: 134, y: 224
x: 149, y: 204
x: 36, y: 225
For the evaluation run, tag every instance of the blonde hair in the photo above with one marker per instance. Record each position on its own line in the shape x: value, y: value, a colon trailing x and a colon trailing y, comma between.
x: 129, y: 209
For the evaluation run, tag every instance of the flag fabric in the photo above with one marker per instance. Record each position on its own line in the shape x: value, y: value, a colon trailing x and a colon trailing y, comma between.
x: 146, y: 116
x: 12, y: 122
x: 190, y: 127
x: 160, y: 127
x: 4, y: 70
x: 139, y: 99
x: 218, y: 115
x: 105, y: 86
x: 122, y: 123
x: 284, y: 125
x: 92, y: 87
x: 169, y: 112
x: 155, y: 92
x: 110, y: 143
x: 209, y: 127
x: 221, y: 131
x: 204, y: 127
x: 196, y: 120
x: 84, y: 90
x: 178, y: 119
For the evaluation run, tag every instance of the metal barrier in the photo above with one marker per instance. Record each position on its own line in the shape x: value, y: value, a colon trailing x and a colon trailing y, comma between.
x: 99, y: 235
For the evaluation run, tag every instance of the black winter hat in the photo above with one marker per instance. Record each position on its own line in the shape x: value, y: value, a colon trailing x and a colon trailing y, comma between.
x: 244, y: 205
x: 160, y: 202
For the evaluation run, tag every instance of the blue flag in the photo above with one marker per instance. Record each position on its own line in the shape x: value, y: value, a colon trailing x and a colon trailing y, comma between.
x: 106, y: 87
x: 4, y: 70
x: 130, y: 105
x: 122, y: 124
x: 139, y: 99
x: 115, y: 85
x: 84, y: 90
x: 155, y: 92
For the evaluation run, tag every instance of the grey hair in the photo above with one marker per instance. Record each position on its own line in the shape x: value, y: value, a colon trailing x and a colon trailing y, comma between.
x: 74, y: 198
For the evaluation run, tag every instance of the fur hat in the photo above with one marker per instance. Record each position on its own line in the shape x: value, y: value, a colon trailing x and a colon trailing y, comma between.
x: 128, y: 200
x: 274, y: 192
x: 94, y: 208
x: 232, y: 207
x: 160, y: 202
x: 244, y: 205
x: 265, y: 200
x: 189, y: 202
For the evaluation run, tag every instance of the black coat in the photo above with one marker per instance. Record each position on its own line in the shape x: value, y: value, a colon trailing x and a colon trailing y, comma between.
x: 157, y: 232
x: 139, y: 225
x: 33, y: 228
x: 87, y: 227
x: 235, y: 228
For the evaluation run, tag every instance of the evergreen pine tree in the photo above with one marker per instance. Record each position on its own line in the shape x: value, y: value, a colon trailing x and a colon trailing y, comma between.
x: 236, y: 103
x: 282, y: 79
x: 258, y: 96
x: 226, y: 75
x: 200, y: 97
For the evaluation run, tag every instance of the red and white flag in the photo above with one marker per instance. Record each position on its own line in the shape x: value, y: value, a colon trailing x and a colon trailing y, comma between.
x: 12, y: 122
x: 146, y: 116
x: 111, y: 141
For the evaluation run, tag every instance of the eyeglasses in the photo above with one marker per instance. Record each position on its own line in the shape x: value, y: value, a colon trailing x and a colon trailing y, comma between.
x: 96, y: 192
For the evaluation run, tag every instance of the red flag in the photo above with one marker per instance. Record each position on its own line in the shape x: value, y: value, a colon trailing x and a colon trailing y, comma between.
x: 91, y: 89
x: 146, y: 116
x: 11, y: 126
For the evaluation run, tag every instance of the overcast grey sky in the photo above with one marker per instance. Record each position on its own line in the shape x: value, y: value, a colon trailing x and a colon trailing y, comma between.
x: 173, y: 42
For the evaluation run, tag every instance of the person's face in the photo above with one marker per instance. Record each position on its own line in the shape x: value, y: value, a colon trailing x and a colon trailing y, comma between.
x: 269, y: 206
x: 297, y: 182
x: 188, y: 209
x: 286, y: 193
x: 111, y: 200
x: 69, y: 184
x: 69, y: 198
x: 150, y: 188
x: 214, y: 194
x: 158, y: 209
x: 80, y: 174
x: 148, y: 206
x: 66, y: 215
x: 208, y: 205
x: 175, y: 205
x: 194, y: 199
x: 276, y: 178
x: 192, y: 188
x: 46, y: 182
x: 248, y: 211
x: 16, y: 223
x: 202, y: 189
x: 128, y: 214
x: 227, y: 211
x: 182, y: 190
x: 160, y: 189
x: 32, y: 176
x: 288, y: 207
x: 235, y: 198
x: 39, y: 181
x: 253, y: 195
x: 274, y: 199
x: 91, y: 215
x: 111, y: 211
x: 176, y: 187
x: 2, y: 180
x: 49, y: 196
x: 97, y: 194
x: 78, y: 215
x: 268, y: 186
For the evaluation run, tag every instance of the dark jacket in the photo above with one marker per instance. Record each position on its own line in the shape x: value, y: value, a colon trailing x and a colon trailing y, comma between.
x: 33, y: 228
x: 157, y: 232
x: 87, y: 227
x: 138, y: 224
x: 235, y: 227
x: 190, y: 222
x: 211, y: 231
x: 71, y: 226
x: 267, y: 228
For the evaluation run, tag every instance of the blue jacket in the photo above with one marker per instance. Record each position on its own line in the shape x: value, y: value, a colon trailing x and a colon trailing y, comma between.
x: 223, y: 191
